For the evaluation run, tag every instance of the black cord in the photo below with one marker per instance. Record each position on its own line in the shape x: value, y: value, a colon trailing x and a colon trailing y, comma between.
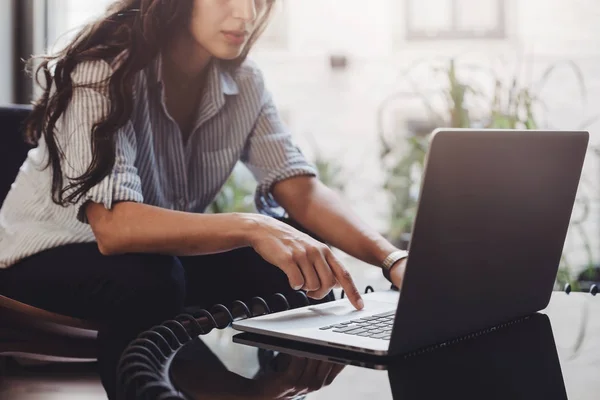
x: 143, y: 367
x: 368, y: 289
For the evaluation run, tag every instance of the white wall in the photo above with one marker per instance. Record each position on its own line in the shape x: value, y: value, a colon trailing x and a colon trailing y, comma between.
x: 6, y: 52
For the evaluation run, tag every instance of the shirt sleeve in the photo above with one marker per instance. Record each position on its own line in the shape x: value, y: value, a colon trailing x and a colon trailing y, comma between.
x: 272, y: 156
x: 87, y: 107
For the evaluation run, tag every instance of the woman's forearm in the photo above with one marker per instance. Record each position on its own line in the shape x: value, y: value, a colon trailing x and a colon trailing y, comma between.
x: 322, y: 211
x: 140, y: 228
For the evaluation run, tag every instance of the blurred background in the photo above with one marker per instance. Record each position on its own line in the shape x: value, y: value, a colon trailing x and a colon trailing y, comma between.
x: 362, y: 83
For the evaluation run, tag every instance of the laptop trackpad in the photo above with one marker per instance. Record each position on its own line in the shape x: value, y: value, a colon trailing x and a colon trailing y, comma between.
x: 344, y: 307
x: 333, y: 309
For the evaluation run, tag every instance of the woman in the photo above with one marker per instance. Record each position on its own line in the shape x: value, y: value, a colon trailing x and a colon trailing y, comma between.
x: 142, y: 119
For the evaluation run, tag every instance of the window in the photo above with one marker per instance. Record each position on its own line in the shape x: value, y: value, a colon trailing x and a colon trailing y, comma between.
x: 455, y: 19
x: 67, y: 17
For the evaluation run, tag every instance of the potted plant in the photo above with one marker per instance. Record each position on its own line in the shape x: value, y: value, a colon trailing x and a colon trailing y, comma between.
x: 464, y: 103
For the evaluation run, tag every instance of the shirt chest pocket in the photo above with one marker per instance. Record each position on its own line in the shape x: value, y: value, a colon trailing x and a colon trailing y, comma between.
x: 216, y: 166
x: 220, y: 160
x: 211, y: 172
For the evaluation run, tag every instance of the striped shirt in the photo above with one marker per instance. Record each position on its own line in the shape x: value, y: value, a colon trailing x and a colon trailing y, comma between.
x: 236, y: 121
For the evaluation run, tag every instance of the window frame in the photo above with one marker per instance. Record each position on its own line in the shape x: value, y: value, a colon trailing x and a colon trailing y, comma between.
x: 29, y: 38
x: 455, y: 32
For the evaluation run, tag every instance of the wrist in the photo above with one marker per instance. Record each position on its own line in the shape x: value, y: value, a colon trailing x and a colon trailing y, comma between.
x: 390, y: 263
x: 381, y: 251
x: 248, y: 227
x: 397, y: 272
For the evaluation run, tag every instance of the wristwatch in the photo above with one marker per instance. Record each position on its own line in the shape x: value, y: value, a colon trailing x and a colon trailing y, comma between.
x: 391, y: 260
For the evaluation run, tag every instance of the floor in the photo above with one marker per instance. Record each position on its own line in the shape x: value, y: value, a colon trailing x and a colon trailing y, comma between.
x: 57, y: 381
x: 79, y: 381
x: 30, y: 380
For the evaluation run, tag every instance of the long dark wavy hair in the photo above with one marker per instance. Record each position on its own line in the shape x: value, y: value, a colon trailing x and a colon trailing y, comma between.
x: 139, y: 29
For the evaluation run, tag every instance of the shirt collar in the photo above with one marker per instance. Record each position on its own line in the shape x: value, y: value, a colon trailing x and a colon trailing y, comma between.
x: 219, y: 81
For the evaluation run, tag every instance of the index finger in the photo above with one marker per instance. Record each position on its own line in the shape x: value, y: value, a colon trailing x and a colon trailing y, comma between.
x: 345, y: 279
x: 335, y: 371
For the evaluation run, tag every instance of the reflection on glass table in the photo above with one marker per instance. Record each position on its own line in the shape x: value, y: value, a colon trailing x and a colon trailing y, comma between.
x: 550, y: 355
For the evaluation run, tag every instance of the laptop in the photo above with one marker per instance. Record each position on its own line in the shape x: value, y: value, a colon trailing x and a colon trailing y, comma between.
x: 517, y: 361
x: 493, y: 214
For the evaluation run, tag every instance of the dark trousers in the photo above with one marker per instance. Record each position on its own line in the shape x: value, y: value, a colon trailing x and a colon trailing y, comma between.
x: 130, y: 293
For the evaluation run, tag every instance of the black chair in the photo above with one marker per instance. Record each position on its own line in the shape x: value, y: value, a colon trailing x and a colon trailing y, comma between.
x: 13, y: 148
x: 26, y: 331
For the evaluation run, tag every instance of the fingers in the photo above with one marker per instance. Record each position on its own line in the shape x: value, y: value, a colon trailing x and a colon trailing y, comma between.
x: 316, y: 375
x: 311, y: 279
x: 326, y: 277
x: 314, y: 268
x: 308, y: 381
x: 283, y: 362
x: 335, y: 371
x: 293, y: 273
x: 323, y: 372
x: 345, y: 279
x: 296, y: 368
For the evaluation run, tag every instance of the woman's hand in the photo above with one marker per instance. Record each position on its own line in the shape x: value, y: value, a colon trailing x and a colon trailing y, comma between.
x: 308, y: 264
x: 397, y: 273
x: 289, y: 378
x: 295, y: 376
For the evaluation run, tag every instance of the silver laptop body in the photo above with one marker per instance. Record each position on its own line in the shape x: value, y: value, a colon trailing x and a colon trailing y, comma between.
x: 493, y: 215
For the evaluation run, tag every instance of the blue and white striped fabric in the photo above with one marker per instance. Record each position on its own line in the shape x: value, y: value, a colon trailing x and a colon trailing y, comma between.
x: 236, y: 120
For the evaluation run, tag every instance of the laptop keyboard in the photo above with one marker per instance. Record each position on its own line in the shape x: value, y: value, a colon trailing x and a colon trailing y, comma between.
x: 377, y: 326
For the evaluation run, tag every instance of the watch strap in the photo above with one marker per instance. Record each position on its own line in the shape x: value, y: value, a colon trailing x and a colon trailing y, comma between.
x: 391, y: 260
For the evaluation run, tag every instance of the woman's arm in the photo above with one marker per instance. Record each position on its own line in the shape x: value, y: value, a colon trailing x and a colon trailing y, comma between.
x: 139, y: 228
x: 322, y: 211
